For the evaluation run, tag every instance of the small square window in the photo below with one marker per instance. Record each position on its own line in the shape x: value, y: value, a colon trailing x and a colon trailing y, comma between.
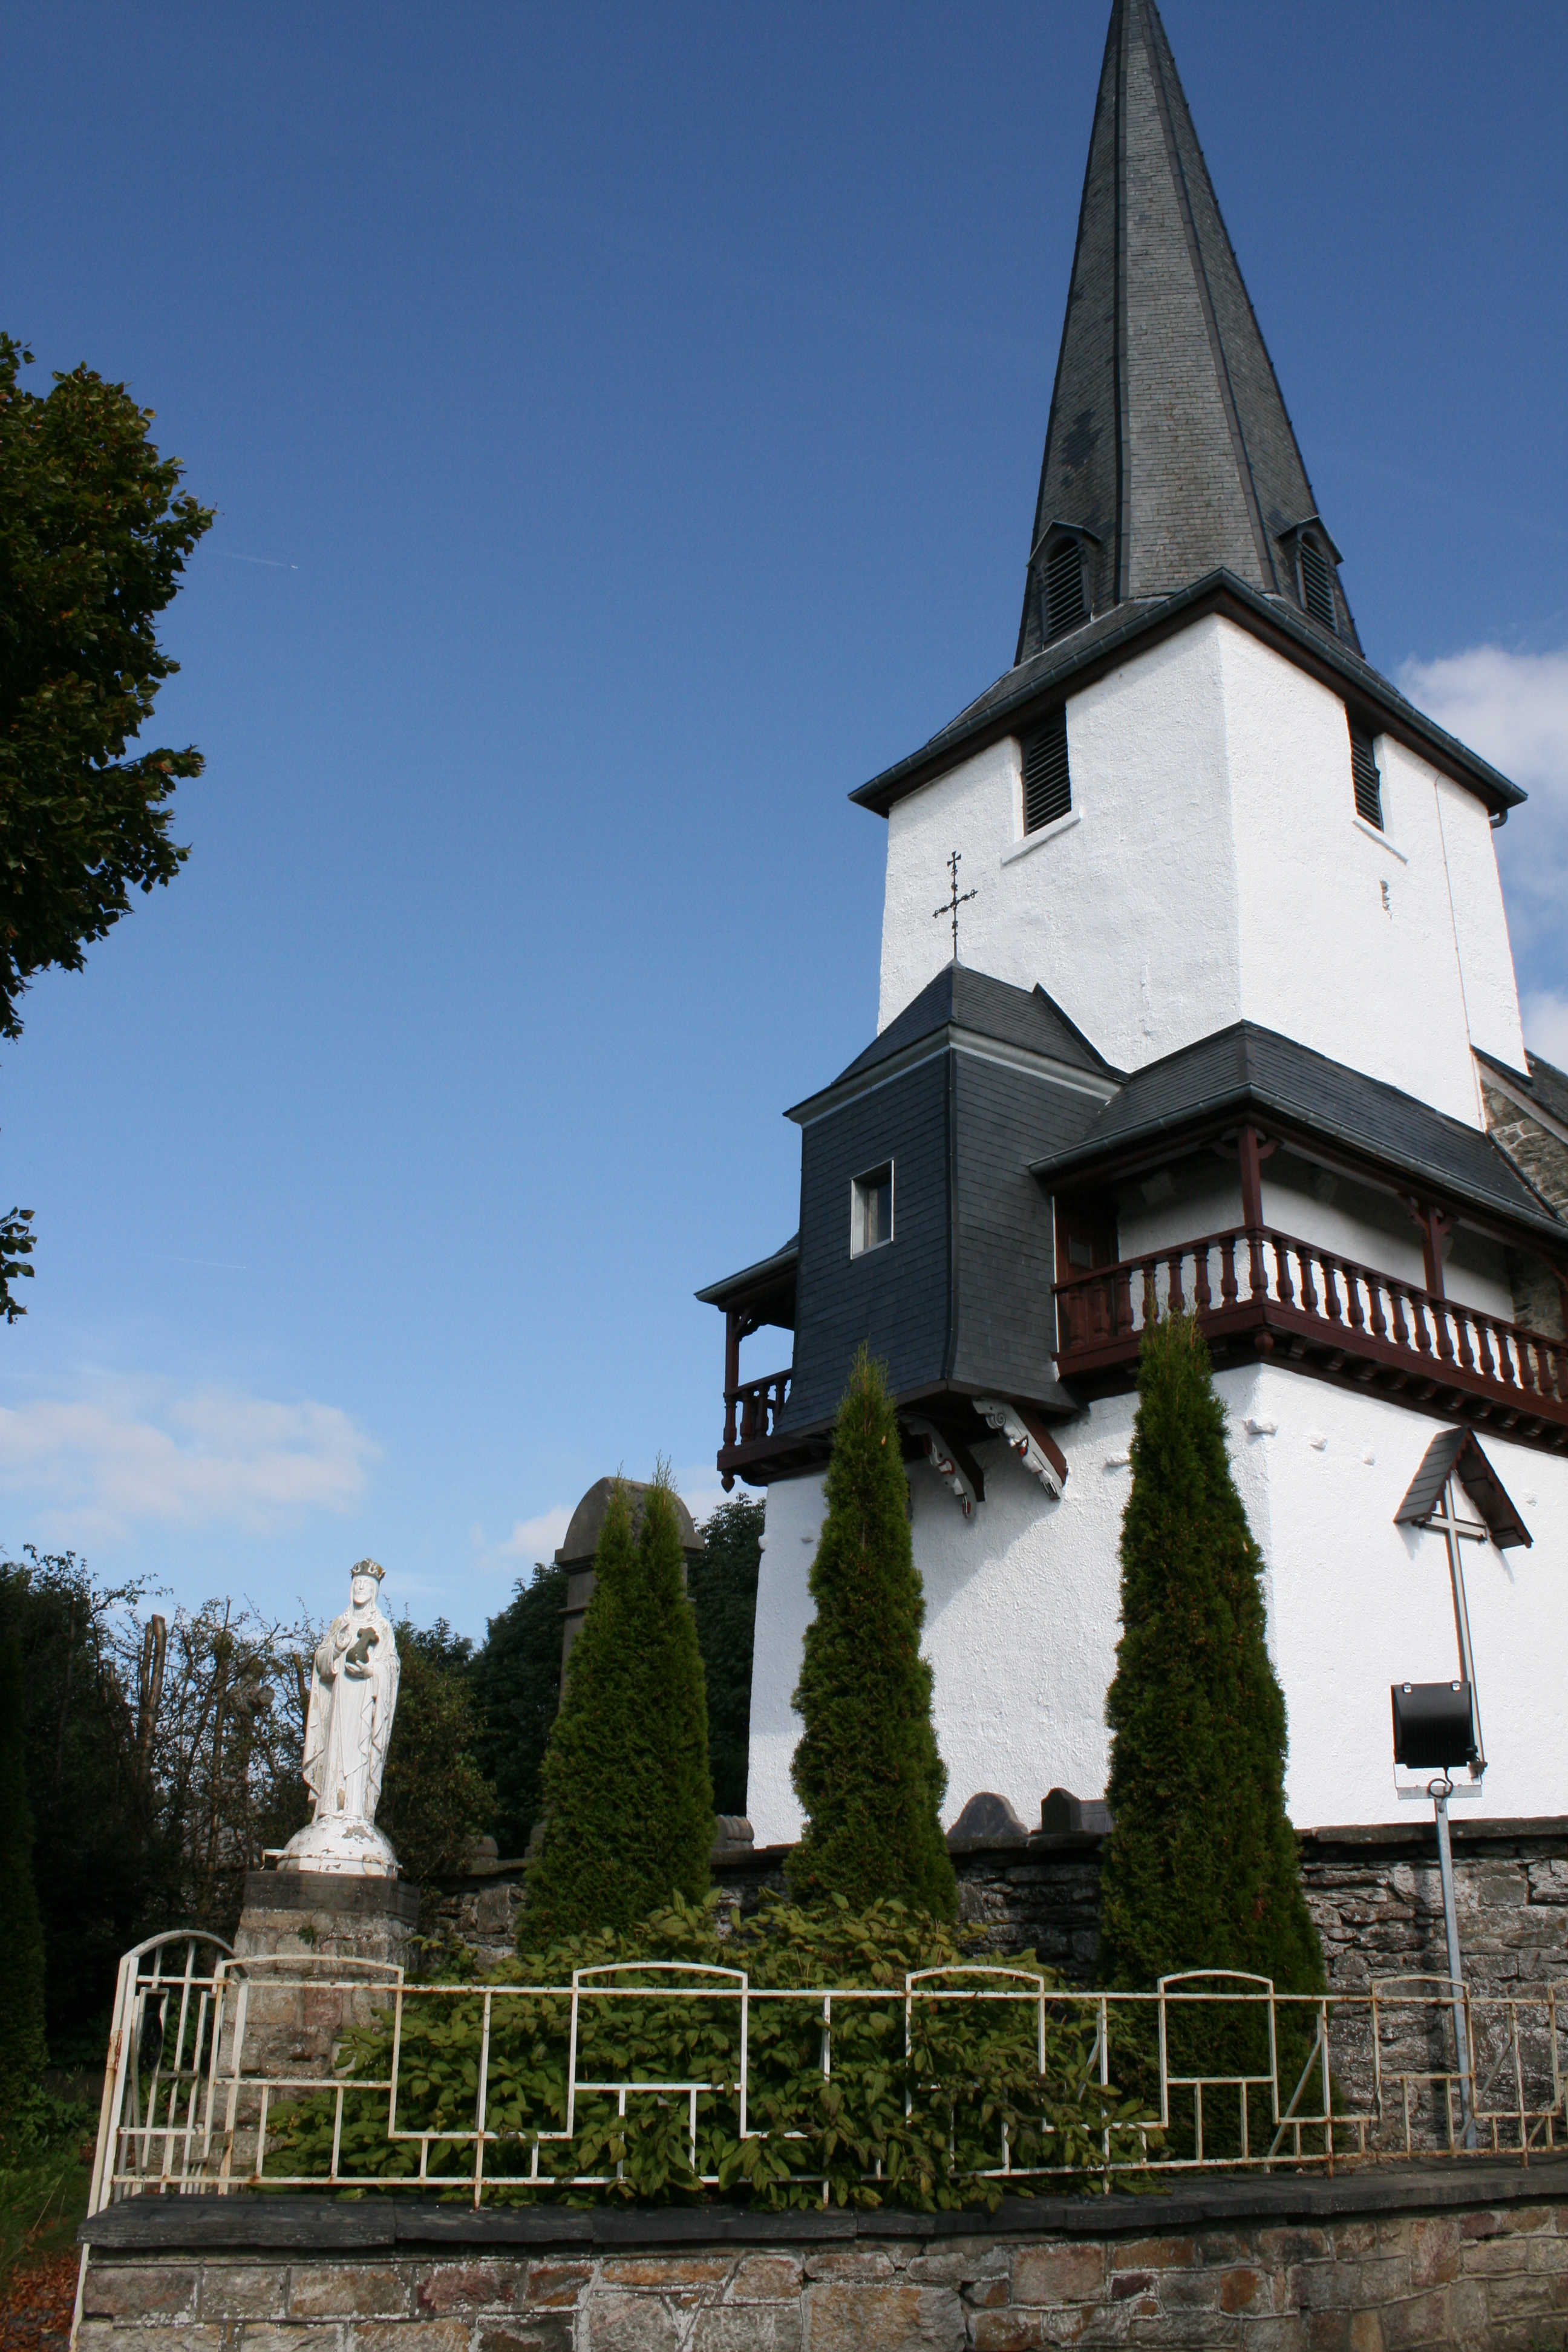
x: 871, y: 1209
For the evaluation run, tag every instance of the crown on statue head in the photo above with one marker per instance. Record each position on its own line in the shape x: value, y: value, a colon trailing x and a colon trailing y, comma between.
x: 367, y: 1568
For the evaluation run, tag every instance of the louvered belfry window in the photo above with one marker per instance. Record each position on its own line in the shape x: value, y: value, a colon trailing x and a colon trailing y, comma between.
x: 1064, y: 589
x: 1365, y: 777
x: 1316, y: 584
x: 1047, y: 784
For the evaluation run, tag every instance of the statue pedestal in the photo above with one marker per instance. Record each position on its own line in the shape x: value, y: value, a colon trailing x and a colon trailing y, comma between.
x: 327, y: 1925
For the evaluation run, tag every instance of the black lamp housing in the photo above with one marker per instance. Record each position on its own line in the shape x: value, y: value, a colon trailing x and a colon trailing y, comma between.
x: 1433, y: 1726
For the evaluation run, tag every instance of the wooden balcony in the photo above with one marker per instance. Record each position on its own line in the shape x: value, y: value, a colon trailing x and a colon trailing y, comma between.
x: 1272, y: 1294
x: 752, y: 1411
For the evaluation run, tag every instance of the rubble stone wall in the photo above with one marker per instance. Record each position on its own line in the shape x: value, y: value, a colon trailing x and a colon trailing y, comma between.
x: 1373, y: 1893
x: 1468, y: 2259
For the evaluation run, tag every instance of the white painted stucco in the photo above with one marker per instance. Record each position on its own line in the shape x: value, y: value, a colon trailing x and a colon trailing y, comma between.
x: 1213, y: 869
x: 1022, y: 1605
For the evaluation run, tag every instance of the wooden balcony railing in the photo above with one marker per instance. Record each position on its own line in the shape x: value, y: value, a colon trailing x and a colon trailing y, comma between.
x: 752, y: 1411
x: 1341, y: 1318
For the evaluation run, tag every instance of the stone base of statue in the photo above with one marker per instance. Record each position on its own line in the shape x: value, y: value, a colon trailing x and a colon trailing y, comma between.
x: 320, y: 1951
x: 339, y: 1845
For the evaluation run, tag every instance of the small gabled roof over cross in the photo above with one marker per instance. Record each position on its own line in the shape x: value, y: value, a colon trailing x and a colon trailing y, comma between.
x: 1456, y: 1453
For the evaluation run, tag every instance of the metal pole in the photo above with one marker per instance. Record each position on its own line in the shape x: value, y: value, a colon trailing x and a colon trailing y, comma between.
x: 1440, y: 1792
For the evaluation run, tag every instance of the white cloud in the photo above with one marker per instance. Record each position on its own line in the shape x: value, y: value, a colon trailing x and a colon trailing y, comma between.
x: 97, y: 1464
x: 530, y: 1541
x: 1546, y: 1026
x: 540, y: 1538
x: 1513, y: 709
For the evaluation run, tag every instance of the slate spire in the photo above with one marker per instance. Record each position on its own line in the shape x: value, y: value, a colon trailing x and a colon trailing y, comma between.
x: 1169, y: 452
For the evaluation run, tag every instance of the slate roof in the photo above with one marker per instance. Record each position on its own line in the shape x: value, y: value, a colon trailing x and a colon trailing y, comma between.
x: 1027, y: 1018
x: 779, y: 1268
x: 1035, y: 685
x: 1168, y: 437
x: 1168, y: 444
x: 1247, y: 1066
x: 1550, y: 1086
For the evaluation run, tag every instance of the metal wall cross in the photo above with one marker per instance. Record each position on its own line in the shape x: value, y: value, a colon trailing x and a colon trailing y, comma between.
x: 1446, y: 1522
x: 952, y: 903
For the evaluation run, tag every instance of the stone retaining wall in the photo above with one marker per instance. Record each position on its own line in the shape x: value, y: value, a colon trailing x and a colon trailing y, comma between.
x: 1374, y: 1892
x: 1459, y: 2256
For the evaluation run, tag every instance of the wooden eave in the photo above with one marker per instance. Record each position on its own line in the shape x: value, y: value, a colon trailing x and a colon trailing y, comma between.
x: 1184, y: 1138
x: 1273, y: 623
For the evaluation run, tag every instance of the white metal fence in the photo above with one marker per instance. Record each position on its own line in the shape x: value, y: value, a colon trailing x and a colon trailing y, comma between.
x: 214, y: 2061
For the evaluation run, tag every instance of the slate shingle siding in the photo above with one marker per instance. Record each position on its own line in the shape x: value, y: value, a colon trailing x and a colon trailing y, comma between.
x: 895, y: 1298
x: 1005, y: 1249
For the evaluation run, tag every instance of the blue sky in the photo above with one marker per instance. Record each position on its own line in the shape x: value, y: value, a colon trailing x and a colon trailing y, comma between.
x: 623, y: 425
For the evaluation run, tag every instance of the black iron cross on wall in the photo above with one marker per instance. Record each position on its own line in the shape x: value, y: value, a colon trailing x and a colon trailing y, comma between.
x: 952, y: 903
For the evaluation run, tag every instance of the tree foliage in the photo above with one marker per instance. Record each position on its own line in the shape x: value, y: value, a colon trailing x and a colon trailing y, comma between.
x: 517, y: 1687
x: 913, y: 2129
x: 93, y: 537
x: 164, y: 1760
x: 723, y: 1588
x: 435, y: 1801
x: 866, y: 1768
x: 1201, y: 1869
x: 628, y: 1804
x: 23, y: 2046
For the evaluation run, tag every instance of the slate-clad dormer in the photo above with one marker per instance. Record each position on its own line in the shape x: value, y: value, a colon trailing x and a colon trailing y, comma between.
x: 956, y: 1097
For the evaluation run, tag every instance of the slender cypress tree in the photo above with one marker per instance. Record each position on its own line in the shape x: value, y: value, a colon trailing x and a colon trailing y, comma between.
x: 1201, y: 1869
x: 867, y: 1769
x: 628, y: 1804
x: 23, y: 2053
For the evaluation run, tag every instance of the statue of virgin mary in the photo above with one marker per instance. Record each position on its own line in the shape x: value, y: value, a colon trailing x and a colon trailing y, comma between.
x: 348, y: 1723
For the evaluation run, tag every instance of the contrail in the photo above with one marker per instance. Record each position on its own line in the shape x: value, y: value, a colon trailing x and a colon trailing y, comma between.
x: 271, y: 560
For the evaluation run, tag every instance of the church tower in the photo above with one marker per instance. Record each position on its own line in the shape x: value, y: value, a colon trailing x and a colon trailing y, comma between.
x: 1235, y: 1010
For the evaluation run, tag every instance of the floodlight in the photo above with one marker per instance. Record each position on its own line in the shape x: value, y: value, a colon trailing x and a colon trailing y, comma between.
x: 1433, y: 1726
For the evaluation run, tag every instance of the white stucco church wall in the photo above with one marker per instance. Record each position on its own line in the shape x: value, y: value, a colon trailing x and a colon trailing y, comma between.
x: 1021, y: 1609
x: 1213, y: 869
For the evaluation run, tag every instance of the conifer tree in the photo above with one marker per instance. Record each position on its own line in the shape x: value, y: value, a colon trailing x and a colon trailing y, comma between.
x: 628, y: 1804
x: 23, y: 2053
x: 866, y: 1768
x: 1201, y: 1869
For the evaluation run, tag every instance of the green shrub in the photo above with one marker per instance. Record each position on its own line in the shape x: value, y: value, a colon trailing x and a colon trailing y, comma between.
x: 628, y: 1804
x: 866, y: 1768
x: 23, y: 2050
x: 723, y: 1588
x: 435, y: 1801
x: 517, y: 1686
x: 1200, y: 1869
x: 971, y: 2073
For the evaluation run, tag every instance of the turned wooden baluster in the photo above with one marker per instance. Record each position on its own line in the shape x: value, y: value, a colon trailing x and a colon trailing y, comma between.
x: 730, y: 1401
x: 1124, y: 1299
x: 1331, y: 1306
x: 1228, y: 1270
x: 1420, y: 1321
x: 1374, y: 1289
x: 1175, y: 1298
x: 1308, y: 1286
x: 1401, y: 1332
x: 1201, y: 1295
x: 1283, y: 1291
x: 1440, y: 1312
x: 1462, y: 1322
x: 1354, y: 1313
x: 1150, y: 1291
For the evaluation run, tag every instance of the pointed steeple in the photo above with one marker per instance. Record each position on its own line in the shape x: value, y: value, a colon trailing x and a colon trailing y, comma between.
x: 1169, y: 453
